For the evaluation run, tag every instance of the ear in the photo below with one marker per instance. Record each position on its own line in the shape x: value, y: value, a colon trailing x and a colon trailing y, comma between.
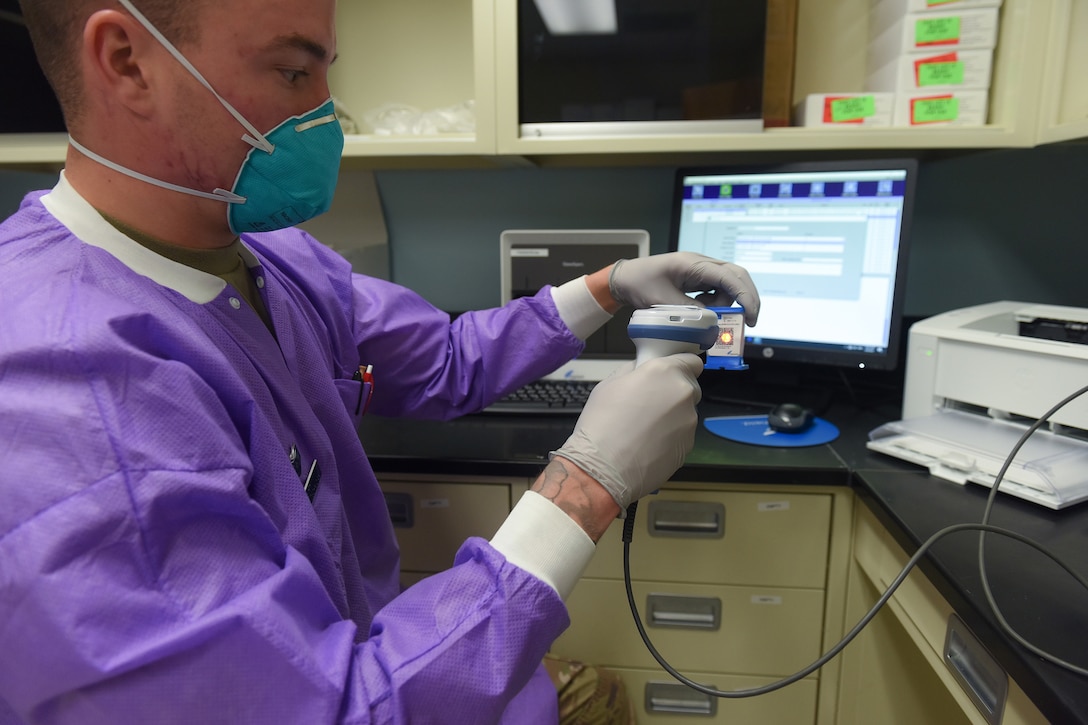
x: 118, y: 61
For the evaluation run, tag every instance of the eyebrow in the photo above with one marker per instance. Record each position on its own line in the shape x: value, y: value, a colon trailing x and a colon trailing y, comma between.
x: 296, y: 41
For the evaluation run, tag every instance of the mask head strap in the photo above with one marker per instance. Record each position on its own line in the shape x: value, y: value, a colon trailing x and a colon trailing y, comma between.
x: 218, y: 195
x: 254, y: 138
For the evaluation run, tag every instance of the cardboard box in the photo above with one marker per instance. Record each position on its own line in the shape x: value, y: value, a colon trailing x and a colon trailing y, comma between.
x: 884, y: 13
x: 845, y: 110
x: 949, y: 108
x: 933, y: 32
x: 950, y: 70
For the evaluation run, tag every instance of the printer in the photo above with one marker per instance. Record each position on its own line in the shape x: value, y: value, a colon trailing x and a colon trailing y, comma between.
x: 976, y: 379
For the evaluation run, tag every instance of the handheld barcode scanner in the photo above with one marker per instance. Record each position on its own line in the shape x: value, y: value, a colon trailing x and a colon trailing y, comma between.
x: 667, y: 329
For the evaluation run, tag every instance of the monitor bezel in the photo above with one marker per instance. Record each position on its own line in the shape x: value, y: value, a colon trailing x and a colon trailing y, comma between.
x: 757, y: 354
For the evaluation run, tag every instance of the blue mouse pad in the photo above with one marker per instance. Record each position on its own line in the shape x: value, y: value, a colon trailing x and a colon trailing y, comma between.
x: 753, y: 430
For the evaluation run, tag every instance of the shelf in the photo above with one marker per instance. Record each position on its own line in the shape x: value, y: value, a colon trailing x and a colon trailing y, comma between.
x: 781, y: 139
x: 432, y: 54
x: 33, y: 148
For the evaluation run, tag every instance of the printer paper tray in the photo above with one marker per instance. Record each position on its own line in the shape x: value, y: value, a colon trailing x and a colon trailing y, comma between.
x: 1050, y: 469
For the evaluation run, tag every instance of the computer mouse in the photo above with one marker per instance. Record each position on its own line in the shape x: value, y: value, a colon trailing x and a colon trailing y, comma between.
x: 790, y: 418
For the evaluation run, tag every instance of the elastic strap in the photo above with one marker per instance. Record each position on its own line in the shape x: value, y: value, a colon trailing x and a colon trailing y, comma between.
x: 218, y: 195
x: 254, y: 138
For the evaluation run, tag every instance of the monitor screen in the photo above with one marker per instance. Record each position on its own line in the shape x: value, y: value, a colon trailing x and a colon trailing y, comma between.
x: 825, y: 244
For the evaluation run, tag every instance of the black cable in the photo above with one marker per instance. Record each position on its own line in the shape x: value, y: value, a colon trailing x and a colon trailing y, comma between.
x: 849, y: 388
x: 983, y: 528
x: 1005, y: 626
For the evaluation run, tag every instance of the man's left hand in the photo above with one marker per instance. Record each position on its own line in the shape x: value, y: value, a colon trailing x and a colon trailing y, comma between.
x: 665, y: 279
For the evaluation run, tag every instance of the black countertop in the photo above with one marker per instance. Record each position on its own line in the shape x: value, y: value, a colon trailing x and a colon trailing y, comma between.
x: 1044, y: 604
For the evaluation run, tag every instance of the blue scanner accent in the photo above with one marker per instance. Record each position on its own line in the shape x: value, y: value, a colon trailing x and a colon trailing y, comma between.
x: 704, y: 338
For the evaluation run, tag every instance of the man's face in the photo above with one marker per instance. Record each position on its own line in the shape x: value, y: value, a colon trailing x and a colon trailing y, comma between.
x: 267, y: 58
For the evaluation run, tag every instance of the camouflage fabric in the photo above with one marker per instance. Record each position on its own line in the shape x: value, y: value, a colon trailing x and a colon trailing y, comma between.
x: 589, y: 695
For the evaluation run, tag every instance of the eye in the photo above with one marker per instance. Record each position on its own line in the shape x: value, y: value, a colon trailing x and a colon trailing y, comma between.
x: 293, y: 75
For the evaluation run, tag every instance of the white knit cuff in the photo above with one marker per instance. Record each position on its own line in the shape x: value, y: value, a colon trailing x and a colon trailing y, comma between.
x: 578, y: 308
x: 540, y: 538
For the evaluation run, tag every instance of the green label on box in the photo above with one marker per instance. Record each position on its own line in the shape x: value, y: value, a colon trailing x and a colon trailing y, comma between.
x: 931, y: 110
x: 934, y: 3
x: 852, y: 109
x: 937, y: 31
x: 941, y: 74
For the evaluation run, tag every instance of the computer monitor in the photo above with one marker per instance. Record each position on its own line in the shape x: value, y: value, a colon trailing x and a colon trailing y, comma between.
x: 825, y: 243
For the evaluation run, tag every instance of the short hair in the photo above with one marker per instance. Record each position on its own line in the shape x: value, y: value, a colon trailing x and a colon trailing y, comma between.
x: 56, y: 30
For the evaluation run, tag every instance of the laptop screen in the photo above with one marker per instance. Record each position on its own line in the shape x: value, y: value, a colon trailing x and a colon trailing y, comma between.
x: 533, y: 258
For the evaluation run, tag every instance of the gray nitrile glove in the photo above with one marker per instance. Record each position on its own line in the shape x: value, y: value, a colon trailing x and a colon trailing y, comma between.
x: 662, y: 279
x: 638, y: 426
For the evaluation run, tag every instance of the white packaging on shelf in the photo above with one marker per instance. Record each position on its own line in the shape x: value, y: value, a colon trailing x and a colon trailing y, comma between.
x: 883, y: 13
x: 940, y: 108
x: 845, y: 110
x: 943, y: 70
x: 932, y: 33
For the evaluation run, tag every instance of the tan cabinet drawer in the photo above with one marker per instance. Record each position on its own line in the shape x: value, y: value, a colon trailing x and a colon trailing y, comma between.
x: 432, y: 520
x: 762, y: 630
x: 764, y: 538
x: 924, y: 616
x: 661, y: 700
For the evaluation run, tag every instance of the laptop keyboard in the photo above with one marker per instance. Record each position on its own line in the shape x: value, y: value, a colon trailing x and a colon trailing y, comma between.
x: 548, y: 397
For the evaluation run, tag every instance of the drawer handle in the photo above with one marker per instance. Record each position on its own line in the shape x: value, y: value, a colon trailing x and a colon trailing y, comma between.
x: 689, y: 519
x: 670, y: 610
x: 978, y: 673
x: 678, y: 699
x: 401, y: 510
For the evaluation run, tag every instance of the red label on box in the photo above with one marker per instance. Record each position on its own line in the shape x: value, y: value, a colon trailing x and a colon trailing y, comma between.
x: 946, y: 58
x: 829, y: 116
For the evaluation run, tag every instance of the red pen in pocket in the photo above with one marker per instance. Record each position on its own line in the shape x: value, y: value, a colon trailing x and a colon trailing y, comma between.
x: 365, y: 373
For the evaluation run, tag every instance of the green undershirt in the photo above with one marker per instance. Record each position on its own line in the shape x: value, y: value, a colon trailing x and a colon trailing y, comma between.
x: 226, y: 263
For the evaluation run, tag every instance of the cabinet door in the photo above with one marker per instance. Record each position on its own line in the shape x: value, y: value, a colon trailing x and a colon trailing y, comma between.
x: 1063, y: 110
x: 895, y: 671
x: 423, y: 54
x: 432, y: 519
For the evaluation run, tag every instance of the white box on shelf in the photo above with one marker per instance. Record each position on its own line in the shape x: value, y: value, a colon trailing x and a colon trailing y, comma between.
x: 940, y: 108
x: 943, y: 70
x: 882, y: 13
x: 932, y: 33
x: 845, y: 110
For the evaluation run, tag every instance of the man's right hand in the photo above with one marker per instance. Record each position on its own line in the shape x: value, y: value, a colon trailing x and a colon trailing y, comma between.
x: 637, y: 426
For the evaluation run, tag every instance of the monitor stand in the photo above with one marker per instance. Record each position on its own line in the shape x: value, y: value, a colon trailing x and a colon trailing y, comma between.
x: 765, y: 389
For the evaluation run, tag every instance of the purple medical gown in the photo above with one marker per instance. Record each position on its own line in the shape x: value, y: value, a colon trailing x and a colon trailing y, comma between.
x: 160, y: 560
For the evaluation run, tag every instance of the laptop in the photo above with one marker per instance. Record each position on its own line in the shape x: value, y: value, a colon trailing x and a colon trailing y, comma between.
x: 532, y: 258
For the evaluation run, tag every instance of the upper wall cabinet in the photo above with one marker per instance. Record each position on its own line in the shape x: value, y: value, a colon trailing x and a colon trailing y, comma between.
x: 454, y: 60
x: 830, y: 57
x: 400, y: 63
x: 1063, y: 108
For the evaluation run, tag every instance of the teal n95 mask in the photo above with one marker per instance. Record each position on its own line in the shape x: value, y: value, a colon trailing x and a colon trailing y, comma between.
x: 288, y: 177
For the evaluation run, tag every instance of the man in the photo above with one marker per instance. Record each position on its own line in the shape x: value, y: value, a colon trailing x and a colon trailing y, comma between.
x: 191, y: 531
